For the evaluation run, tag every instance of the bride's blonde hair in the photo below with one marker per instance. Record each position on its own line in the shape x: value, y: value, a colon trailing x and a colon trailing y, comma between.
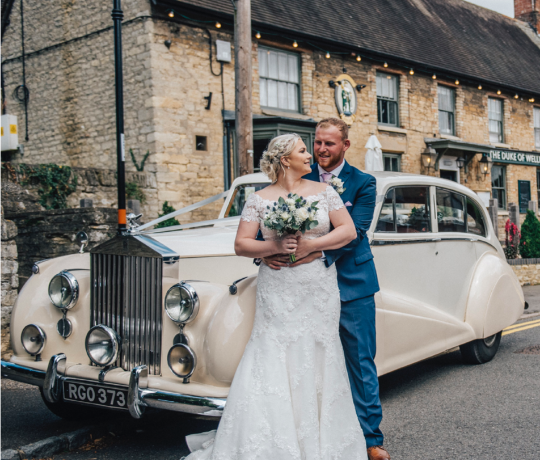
x: 278, y: 148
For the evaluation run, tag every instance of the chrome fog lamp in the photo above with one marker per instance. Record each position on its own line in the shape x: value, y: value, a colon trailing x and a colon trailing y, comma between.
x: 64, y: 290
x: 33, y: 339
x: 182, y: 303
x: 182, y: 361
x: 102, y: 345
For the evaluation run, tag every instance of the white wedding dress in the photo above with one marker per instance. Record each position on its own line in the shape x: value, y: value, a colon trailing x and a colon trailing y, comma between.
x: 290, y: 397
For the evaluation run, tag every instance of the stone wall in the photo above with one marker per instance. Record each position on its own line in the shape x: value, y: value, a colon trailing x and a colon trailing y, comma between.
x: 10, y: 279
x: 527, y: 271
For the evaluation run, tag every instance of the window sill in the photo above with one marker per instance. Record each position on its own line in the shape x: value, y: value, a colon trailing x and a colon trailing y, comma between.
x: 392, y: 129
x: 503, y: 213
x: 450, y: 137
x: 284, y: 113
x: 502, y: 146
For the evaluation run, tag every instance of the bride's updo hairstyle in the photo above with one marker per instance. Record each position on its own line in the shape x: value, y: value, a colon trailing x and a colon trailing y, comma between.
x: 278, y: 148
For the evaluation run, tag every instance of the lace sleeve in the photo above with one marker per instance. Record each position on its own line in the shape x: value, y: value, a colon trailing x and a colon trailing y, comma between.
x: 250, y: 212
x: 334, y: 200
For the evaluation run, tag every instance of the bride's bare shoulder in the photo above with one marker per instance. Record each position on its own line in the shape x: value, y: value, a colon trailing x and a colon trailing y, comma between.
x: 267, y: 193
x: 313, y: 188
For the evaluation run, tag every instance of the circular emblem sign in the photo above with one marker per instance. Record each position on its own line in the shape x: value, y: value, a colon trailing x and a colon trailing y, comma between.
x: 345, y: 95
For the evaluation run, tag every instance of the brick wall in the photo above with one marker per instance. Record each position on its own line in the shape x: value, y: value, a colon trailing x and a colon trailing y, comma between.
x: 10, y: 279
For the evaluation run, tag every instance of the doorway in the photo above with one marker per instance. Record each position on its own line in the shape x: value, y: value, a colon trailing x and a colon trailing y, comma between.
x: 450, y: 175
x: 449, y: 168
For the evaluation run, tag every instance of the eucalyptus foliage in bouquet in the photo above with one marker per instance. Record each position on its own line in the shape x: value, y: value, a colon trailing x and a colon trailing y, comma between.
x: 290, y: 215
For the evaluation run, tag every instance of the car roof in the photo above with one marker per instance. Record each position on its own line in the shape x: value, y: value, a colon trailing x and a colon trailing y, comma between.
x: 385, y: 179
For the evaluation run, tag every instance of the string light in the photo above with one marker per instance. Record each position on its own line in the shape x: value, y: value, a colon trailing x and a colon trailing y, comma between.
x: 516, y: 96
x: 327, y: 55
x: 358, y: 58
x: 479, y: 86
x: 385, y: 64
x: 498, y: 91
x: 411, y: 72
x: 531, y: 99
x: 434, y: 77
x: 218, y: 25
x: 171, y: 13
x: 258, y: 35
x: 457, y: 82
x: 295, y: 44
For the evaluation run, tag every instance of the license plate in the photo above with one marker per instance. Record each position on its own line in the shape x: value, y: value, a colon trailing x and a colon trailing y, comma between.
x: 96, y: 395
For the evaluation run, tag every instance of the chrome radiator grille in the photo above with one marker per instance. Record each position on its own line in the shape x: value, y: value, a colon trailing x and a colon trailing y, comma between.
x: 126, y: 296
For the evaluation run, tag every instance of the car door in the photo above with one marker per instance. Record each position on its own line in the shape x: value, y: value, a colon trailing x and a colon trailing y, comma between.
x: 404, y: 253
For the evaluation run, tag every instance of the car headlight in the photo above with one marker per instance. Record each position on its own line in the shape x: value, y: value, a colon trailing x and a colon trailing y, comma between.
x: 33, y: 339
x: 102, y: 345
x: 181, y: 303
x: 64, y: 290
x: 182, y: 361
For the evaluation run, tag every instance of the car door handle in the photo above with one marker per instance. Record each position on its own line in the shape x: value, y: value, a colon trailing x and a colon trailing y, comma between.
x: 436, y: 239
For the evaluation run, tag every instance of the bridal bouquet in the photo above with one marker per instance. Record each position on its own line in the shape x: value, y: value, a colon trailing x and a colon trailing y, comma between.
x: 290, y: 215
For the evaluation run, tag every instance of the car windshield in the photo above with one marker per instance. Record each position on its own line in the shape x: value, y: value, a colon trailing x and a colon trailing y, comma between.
x: 240, y: 196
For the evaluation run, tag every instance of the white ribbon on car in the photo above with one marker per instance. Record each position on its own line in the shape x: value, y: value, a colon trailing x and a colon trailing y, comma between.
x: 189, y: 208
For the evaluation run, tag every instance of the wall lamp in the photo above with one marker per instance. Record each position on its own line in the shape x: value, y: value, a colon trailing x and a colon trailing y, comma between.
x: 485, y: 164
x: 460, y: 162
x: 429, y: 157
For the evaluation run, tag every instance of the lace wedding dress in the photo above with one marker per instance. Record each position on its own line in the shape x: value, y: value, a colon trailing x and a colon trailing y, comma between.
x: 290, y: 397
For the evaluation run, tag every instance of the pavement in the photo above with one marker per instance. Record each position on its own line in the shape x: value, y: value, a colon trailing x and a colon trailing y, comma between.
x: 437, y: 409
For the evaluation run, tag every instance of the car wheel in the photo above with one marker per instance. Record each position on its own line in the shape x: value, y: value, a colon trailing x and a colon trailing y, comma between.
x: 70, y: 411
x: 482, y: 350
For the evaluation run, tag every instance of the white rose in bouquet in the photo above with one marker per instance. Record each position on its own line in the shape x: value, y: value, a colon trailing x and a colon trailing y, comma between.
x: 302, y: 214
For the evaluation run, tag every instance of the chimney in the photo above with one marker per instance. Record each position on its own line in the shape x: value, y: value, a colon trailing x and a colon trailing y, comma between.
x: 528, y: 11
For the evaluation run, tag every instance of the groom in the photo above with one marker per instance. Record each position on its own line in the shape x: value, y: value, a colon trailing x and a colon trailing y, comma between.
x: 357, y: 277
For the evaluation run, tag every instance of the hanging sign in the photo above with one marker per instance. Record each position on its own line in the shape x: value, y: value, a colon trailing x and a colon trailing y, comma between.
x: 515, y: 157
x: 345, y: 95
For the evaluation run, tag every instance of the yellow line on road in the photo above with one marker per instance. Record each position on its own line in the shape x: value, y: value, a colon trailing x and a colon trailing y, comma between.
x: 526, y: 323
x: 524, y: 328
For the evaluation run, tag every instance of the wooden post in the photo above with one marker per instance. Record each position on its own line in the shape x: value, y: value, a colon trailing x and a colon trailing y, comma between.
x: 493, y: 210
x: 242, y: 71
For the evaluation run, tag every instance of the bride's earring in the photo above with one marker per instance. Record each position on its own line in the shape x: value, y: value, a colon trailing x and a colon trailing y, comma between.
x: 288, y: 167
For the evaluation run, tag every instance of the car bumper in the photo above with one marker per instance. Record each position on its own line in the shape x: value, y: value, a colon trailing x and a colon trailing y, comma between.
x: 139, y: 395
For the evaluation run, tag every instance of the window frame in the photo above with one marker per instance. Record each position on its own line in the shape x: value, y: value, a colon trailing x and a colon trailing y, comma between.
x: 392, y: 156
x: 298, y: 85
x: 538, y: 185
x: 536, y: 125
x: 500, y: 122
x: 501, y: 206
x: 453, y: 112
x: 395, y: 100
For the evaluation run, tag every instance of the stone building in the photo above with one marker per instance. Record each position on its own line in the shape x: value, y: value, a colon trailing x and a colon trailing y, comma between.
x: 444, y: 78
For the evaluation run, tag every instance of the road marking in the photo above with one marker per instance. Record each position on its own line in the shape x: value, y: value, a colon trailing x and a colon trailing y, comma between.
x: 521, y: 329
x: 526, y: 323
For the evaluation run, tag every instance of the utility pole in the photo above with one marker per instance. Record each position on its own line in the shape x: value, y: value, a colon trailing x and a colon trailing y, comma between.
x: 117, y: 16
x: 242, y: 73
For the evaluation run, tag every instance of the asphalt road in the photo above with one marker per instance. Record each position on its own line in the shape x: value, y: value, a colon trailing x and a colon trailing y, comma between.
x: 436, y: 409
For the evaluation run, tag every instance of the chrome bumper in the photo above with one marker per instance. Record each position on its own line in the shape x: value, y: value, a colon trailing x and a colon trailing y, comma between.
x: 139, y: 395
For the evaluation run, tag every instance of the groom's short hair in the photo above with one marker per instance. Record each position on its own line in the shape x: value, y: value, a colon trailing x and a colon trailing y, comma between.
x: 338, y: 123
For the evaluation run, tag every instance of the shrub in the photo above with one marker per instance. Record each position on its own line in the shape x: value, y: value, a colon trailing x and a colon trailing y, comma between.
x: 167, y: 209
x: 529, y: 245
x: 512, y: 237
x: 135, y: 192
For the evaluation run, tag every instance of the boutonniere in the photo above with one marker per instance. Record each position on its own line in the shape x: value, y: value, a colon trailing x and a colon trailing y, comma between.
x: 337, y: 183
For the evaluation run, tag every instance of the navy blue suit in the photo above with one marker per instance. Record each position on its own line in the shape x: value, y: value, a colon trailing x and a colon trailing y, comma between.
x: 358, y: 283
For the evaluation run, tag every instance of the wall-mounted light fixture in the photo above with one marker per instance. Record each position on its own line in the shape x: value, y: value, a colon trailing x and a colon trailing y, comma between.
x: 429, y: 157
x: 170, y: 13
x: 360, y: 87
x: 168, y: 44
x: 485, y: 164
x: 460, y: 162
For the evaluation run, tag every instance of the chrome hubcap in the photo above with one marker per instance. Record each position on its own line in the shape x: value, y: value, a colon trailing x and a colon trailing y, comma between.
x: 489, y: 341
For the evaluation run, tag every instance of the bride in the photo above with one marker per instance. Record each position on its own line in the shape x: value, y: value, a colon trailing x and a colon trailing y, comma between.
x: 290, y: 397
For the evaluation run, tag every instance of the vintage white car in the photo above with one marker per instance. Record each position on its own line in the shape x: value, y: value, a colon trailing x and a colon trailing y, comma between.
x: 160, y: 318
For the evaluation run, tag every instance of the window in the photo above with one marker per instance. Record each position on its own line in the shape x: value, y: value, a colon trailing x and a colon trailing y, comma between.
x: 450, y: 211
x: 405, y: 210
x: 536, y: 111
x: 446, y: 110
x: 392, y: 162
x: 495, y: 116
x: 387, y: 99
x: 279, y: 73
x: 498, y: 184
x: 241, y: 194
x: 475, y: 219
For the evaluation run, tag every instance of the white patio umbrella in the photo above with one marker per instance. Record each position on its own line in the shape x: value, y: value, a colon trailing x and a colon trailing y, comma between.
x: 374, y: 159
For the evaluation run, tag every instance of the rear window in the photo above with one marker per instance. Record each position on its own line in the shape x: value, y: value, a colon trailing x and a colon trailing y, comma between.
x: 240, y: 196
x: 459, y: 213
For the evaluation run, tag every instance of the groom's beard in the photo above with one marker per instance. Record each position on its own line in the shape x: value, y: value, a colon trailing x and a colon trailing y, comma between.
x: 332, y: 165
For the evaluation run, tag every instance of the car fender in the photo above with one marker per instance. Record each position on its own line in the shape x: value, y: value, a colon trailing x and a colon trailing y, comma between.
x: 495, y: 297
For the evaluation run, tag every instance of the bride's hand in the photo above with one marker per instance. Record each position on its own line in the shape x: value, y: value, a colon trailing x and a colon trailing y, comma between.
x: 304, y: 248
x: 287, y: 245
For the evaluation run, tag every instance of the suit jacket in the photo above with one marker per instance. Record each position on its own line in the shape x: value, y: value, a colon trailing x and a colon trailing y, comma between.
x: 357, y: 276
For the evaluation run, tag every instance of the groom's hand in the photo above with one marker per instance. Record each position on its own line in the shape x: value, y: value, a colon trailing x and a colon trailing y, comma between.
x: 309, y: 258
x: 277, y: 261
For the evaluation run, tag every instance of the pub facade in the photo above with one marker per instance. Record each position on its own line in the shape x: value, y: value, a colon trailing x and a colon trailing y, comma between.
x: 448, y: 88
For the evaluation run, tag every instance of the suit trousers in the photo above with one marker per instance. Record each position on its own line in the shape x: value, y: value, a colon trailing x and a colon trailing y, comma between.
x: 357, y: 333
